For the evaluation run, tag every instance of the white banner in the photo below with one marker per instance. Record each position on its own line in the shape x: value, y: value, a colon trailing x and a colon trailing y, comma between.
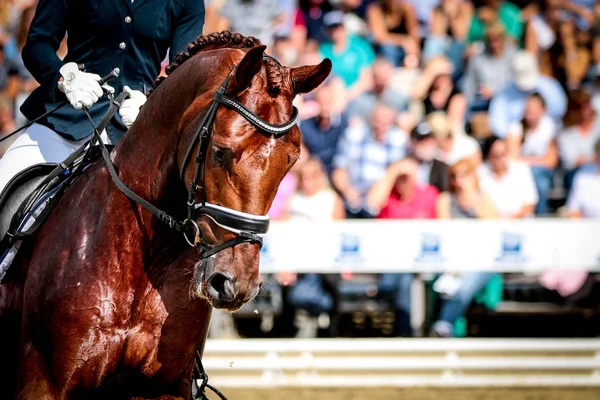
x: 432, y: 246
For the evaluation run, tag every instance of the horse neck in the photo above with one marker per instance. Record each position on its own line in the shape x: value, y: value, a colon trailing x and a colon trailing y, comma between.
x: 146, y: 156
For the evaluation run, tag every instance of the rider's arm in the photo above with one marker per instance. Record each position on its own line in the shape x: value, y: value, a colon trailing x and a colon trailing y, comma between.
x: 188, y: 28
x: 47, y: 30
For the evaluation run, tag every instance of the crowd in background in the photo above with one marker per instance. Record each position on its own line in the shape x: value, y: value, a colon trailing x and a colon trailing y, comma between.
x: 435, y: 109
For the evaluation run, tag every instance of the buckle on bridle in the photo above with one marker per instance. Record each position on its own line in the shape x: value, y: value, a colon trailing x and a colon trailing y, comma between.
x: 197, y: 234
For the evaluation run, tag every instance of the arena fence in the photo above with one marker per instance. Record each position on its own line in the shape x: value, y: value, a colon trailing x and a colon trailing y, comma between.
x: 264, y: 363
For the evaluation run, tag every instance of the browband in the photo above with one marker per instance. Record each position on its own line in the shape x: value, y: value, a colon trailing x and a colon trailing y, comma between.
x: 272, y: 129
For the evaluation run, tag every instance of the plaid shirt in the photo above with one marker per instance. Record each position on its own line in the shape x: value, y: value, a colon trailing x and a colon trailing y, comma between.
x: 366, y: 159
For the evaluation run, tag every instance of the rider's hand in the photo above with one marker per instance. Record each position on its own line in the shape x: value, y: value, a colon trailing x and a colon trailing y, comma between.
x: 130, y: 108
x: 81, y: 88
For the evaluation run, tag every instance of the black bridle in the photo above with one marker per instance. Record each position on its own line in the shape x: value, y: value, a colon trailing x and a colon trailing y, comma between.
x: 249, y: 228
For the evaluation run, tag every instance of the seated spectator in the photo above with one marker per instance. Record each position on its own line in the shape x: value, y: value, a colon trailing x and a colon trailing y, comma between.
x: 395, y: 30
x: 423, y: 149
x: 258, y: 18
x: 363, y: 155
x: 508, y: 105
x: 581, y: 130
x: 400, y: 195
x: 464, y: 200
x: 448, y: 28
x: 382, y: 91
x: 314, y: 200
x: 542, y: 26
x: 423, y: 10
x: 568, y: 59
x: 352, y: 56
x: 452, y: 146
x: 438, y: 92
x: 584, y: 197
x: 509, y: 182
x: 505, y: 12
x: 533, y: 141
x: 489, y: 71
x: 321, y: 134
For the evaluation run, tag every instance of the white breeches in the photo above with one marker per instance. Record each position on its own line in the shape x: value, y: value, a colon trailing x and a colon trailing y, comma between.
x: 37, y: 144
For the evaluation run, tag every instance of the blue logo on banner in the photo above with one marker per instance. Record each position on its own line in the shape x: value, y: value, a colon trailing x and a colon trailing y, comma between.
x: 431, y: 249
x: 350, y: 251
x: 511, y: 249
x: 265, y: 251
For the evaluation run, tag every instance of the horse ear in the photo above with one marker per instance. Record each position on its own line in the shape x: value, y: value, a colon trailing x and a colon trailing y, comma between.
x: 308, y: 77
x: 247, y: 69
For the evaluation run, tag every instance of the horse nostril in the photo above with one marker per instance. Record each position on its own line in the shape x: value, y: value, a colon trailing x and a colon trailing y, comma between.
x: 223, y: 286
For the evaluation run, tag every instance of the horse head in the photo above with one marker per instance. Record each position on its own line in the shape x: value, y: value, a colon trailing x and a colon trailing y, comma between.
x: 241, y: 165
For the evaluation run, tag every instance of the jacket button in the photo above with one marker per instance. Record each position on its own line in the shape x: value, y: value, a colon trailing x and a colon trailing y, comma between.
x: 122, y: 45
x: 127, y: 19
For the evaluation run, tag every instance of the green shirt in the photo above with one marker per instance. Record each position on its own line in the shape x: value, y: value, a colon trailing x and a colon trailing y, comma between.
x: 348, y: 64
x: 510, y: 17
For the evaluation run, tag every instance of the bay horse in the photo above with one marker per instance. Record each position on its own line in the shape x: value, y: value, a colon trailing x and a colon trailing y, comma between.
x: 106, y: 300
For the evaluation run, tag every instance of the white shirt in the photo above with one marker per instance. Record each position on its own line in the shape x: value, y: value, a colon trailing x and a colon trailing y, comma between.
x: 463, y: 146
x: 511, y: 192
x: 585, y: 193
x: 537, y: 140
x: 316, y: 208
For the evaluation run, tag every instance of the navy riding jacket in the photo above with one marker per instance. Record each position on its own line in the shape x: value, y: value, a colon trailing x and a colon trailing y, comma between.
x: 103, y: 35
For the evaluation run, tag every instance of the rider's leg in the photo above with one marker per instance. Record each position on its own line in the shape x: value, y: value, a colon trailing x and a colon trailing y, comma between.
x: 38, y: 144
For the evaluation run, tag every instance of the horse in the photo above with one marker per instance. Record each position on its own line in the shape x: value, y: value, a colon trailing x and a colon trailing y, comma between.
x: 105, y: 299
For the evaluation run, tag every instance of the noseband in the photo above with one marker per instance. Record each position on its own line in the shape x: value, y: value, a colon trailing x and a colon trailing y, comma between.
x: 249, y: 228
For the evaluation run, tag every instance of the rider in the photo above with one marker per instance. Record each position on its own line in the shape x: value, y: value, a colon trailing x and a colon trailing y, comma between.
x: 132, y: 35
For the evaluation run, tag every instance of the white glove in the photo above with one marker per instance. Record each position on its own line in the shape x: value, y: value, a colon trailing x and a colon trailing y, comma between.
x: 81, y: 88
x: 130, y: 108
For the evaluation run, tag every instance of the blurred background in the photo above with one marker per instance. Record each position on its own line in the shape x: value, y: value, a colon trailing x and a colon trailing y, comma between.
x: 448, y: 192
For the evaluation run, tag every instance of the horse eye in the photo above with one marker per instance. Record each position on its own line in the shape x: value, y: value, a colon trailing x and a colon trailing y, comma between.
x: 218, y: 155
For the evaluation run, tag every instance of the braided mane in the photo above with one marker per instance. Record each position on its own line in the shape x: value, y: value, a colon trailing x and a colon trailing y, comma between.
x: 224, y: 39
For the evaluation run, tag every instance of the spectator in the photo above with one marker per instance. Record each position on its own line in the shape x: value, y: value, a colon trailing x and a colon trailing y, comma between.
x: 464, y: 200
x: 438, y: 92
x: 352, y: 56
x: 542, y: 27
x: 315, y: 200
x: 423, y: 148
x: 363, y: 155
x: 581, y: 130
x: 568, y: 59
x: 584, y: 198
x: 321, y: 134
x: 532, y: 141
x: 448, y: 28
x: 489, y: 71
x: 400, y: 195
x: 395, y: 30
x: 423, y: 10
x: 509, y: 182
x: 311, y: 13
x: 508, y: 105
x: 596, y: 39
x: 505, y: 12
x: 382, y: 91
x: 452, y: 146
x: 258, y: 18
x: 9, y: 76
